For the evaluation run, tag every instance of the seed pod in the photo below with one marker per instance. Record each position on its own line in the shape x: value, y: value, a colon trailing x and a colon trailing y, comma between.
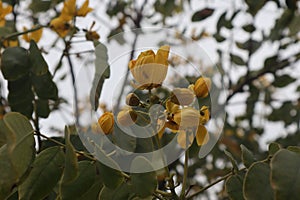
x: 132, y: 99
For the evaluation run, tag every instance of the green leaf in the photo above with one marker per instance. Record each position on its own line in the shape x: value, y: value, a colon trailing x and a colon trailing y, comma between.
x: 232, y: 160
x: 143, y: 184
x: 17, y: 155
x: 257, y: 179
x: 120, y: 193
x: 219, y: 38
x: 2, y: 134
x: 294, y: 26
x: 110, y: 172
x: 38, y: 64
x: 15, y: 63
x: 273, y: 148
x: 249, y: 28
x: 285, y: 174
x: 46, y: 172
x: 221, y: 22
x: 71, y: 164
x: 250, y: 45
x: 102, y: 72
x: 20, y: 143
x: 282, y: 81
x: 254, y: 6
x: 44, y: 87
x: 237, y: 60
x: 42, y: 5
x: 123, y: 140
x: 85, y: 180
x: 202, y: 14
x: 42, y: 108
x: 281, y: 23
x: 234, y: 186
x: 247, y: 156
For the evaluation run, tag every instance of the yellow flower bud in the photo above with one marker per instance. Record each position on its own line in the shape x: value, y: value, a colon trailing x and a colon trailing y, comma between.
x: 150, y: 70
x: 171, y: 107
x: 4, y: 10
x: 187, y: 117
x: 35, y: 35
x: 202, y: 87
x: 84, y: 9
x: 132, y: 99
x: 202, y: 135
x: 182, y: 96
x: 204, y: 115
x: 60, y: 26
x: 126, y: 117
x: 106, y: 122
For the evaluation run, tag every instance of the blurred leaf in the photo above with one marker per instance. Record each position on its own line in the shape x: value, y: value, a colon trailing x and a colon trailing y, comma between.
x: 234, y: 186
x: 71, y: 164
x: 249, y: 45
x: 120, y: 193
x: 42, y: 5
x: 42, y: 108
x: 291, y: 4
x: 254, y: 6
x: 124, y: 140
x: 247, y: 156
x: 273, y: 148
x: 15, y: 63
x: 143, y: 184
x: 102, y: 72
x: 46, y: 172
x: 202, y: 14
x: 249, y: 28
x: 257, y: 179
x: 281, y: 23
x: 38, y: 64
x: 285, y: 175
x: 282, y: 81
x: 232, y: 160
x: 219, y: 38
x: 222, y: 20
x: 110, y: 172
x: 2, y: 133
x: 79, y: 186
x: 294, y: 26
x: 237, y: 60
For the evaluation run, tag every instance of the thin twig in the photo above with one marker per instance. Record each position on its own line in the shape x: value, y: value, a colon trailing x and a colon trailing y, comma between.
x: 185, y: 174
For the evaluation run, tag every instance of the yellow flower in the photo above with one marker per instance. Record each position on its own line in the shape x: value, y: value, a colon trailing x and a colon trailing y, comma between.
x: 92, y: 35
x: 185, y: 140
x: 69, y: 10
x: 201, y: 87
x: 187, y: 117
x: 84, y: 9
x: 126, y: 117
x: 60, y: 26
x: 202, y: 135
x: 10, y: 43
x: 35, y: 35
x: 106, y: 122
x: 171, y: 107
x: 150, y: 70
x: 182, y: 96
x: 4, y: 10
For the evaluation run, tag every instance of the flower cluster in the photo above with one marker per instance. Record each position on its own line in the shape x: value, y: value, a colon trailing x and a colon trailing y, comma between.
x: 4, y: 10
x: 63, y: 23
x: 180, y: 116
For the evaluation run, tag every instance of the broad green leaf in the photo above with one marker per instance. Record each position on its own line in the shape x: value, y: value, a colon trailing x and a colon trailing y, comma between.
x: 15, y: 63
x: 273, y: 148
x: 234, y: 186
x: 285, y: 174
x: 109, y: 170
x: 44, y: 87
x: 85, y: 180
x: 202, y: 14
x: 237, y: 60
x: 257, y: 179
x: 123, y: 140
x: 42, y: 108
x: 247, y: 156
x: 120, y: 193
x: 20, y: 143
x: 46, y: 172
x: 2, y: 134
x: 143, y: 184
x: 8, y: 177
x: 38, y: 64
x: 102, y: 72
x: 294, y: 26
x: 71, y: 164
x: 282, y: 81
x: 232, y: 160
x: 93, y: 191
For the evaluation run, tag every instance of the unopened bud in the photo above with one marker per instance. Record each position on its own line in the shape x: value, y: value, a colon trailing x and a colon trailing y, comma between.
x: 132, y: 100
x: 106, y: 122
x: 202, y: 87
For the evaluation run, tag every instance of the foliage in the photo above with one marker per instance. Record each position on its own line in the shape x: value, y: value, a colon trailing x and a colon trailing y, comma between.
x: 256, y: 62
